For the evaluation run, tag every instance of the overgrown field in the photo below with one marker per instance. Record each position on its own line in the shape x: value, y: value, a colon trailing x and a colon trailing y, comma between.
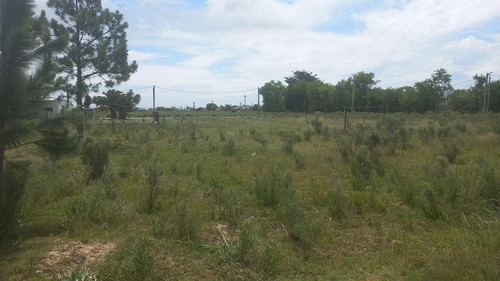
x: 241, y: 196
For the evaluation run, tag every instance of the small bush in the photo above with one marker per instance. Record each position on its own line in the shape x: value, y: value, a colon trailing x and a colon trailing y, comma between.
x: 288, y: 146
x: 95, y: 157
x: 299, y: 160
x: 153, y: 189
x: 308, y: 134
x: 317, y: 125
x: 271, y: 259
x: 361, y: 169
x: 245, y: 246
x: 451, y: 150
x: 430, y: 205
x: 229, y: 148
x: 230, y: 206
x: 345, y: 148
x: 260, y: 138
x: 337, y: 202
x: 273, y: 188
x: 301, y: 227
x: 142, y: 260
x: 13, y: 187
x: 222, y: 135
x: 185, y: 222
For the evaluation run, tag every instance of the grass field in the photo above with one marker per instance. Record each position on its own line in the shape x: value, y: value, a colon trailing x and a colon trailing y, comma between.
x: 247, y: 196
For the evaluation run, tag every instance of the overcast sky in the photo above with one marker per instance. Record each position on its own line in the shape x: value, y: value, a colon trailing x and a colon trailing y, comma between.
x: 226, y: 49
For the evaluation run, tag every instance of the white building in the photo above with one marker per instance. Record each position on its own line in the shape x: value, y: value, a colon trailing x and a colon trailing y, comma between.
x: 50, y: 109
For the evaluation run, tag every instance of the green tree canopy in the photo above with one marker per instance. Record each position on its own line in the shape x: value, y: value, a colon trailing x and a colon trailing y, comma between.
x: 27, y: 76
x: 117, y: 103
x: 97, y: 52
x: 273, y: 94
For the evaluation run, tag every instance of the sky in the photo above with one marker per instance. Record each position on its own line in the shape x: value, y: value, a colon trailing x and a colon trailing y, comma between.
x: 220, y: 51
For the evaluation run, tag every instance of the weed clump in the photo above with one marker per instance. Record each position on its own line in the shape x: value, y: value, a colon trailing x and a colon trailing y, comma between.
x: 95, y: 157
x: 273, y: 188
x: 229, y: 148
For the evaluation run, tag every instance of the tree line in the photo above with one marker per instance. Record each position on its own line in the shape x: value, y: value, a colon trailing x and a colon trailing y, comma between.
x: 305, y: 92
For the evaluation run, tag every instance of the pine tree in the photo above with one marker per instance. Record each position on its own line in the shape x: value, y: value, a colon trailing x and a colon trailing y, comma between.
x: 97, y: 46
x: 27, y: 76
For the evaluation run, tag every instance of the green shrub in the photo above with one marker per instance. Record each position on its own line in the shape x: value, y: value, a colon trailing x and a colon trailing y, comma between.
x: 430, y: 205
x: 308, y: 134
x: 451, y: 150
x: 273, y: 188
x: 245, y: 247
x: 186, y: 222
x: 361, y: 168
x: 222, y: 135
x: 299, y: 160
x: 95, y: 157
x: 288, y: 146
x: 12, y: 189
x: 229, y: 148
x: 345, y: 147
x: 317, y: 125
x: 337, y: 202
x: 142, y: 260
x: 258, y: 137
x: 270, y: 259
x: 301, y: 227
x: 152, y: 190
x: 230, y: 206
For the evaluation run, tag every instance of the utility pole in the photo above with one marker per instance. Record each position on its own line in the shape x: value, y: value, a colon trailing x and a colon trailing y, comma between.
x: 353, y: 93
x: 258, y: 103
x: 488, y: 82
x: 485, y: 95
x: 156, y: 115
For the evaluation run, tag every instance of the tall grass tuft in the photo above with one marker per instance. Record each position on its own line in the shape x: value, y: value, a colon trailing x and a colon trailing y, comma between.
x: 13, y: 187
x: 186, y: 222
x: 229, y: 148
x: 273, y: 188
x: 142, y: 260
x: 361, y: 168
x: 95, y: 157
x: 270, y: 260
x: 152, y: 189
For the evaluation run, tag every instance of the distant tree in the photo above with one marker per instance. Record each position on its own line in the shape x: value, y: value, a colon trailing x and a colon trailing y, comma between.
x: 212, y: 107
x: 494, y: 96
x: 296, y: 95
x: 363, y: 83
x: 273, y: 95
x: 97, y: 49
x: 463, y: 100
x: 343, y: 94
x: 301, y: 75
x: 432, y: 92
x: 27, y: 76
x: 162, y: 108
x: 296, y: 98
x: 441, y: 80
x: 117, y: 103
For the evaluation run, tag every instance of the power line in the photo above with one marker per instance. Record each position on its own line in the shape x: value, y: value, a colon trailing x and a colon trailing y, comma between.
x: 200, y: 92
x: 462, y: 82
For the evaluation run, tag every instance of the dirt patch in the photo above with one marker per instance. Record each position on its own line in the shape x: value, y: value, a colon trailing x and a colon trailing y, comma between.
x: 74, y: 254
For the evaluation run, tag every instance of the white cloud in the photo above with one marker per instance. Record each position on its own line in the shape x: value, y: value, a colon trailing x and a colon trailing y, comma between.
x: 401, y: 41
x: 141, y: 56
x: 471, y: 42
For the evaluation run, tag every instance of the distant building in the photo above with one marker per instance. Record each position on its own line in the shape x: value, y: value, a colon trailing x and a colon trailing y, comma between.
x: 50, y: 109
